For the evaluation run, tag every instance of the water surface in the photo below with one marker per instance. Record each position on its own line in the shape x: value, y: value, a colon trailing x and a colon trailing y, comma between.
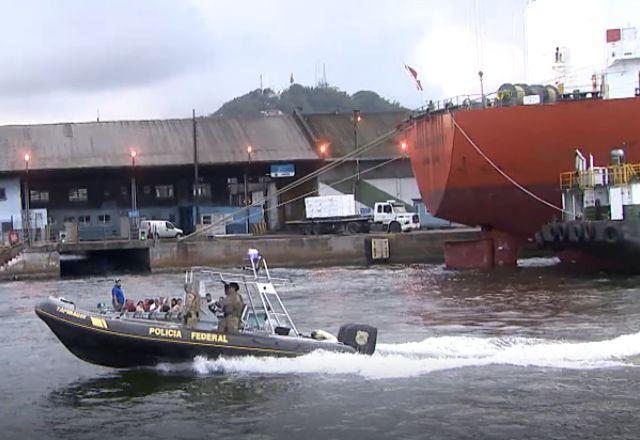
x: 531, y: 353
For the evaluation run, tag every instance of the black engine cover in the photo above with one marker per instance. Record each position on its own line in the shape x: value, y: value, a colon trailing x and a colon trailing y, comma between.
x: 362, y: 337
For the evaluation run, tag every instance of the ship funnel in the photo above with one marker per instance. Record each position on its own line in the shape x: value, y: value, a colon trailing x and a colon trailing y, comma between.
x: 617, y: 156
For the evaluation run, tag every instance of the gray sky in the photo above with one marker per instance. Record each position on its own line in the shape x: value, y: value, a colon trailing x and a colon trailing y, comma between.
x: 63, y: 60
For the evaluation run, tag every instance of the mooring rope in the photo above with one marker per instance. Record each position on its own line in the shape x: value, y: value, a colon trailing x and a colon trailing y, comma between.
x: 504, y: 174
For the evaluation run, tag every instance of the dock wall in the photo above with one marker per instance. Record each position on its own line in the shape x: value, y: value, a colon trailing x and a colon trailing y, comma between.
x: 32, y: 264
x: 299, y: 251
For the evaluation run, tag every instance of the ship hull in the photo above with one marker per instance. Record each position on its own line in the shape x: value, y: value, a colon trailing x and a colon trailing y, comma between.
x: 532, y: 145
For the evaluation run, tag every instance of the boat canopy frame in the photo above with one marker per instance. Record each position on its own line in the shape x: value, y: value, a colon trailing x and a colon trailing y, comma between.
x: 260, y: 289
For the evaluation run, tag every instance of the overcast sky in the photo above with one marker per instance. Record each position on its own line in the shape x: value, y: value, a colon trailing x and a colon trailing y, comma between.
x: 64, y: 60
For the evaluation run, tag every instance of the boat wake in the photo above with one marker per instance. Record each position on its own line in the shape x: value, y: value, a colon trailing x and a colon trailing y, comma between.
x: 412, y: 359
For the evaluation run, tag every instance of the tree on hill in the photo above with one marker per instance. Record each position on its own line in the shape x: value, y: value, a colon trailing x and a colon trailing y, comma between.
x: 306, y: 99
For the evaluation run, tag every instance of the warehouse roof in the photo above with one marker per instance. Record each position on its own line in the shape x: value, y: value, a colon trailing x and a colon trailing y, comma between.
x: 337, y: 131
x: 157, y: 143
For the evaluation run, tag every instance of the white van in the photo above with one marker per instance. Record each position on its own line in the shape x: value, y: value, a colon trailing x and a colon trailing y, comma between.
x: 160, y: 229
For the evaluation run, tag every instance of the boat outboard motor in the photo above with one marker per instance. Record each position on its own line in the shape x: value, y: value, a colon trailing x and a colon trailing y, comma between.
x: 362, y: 337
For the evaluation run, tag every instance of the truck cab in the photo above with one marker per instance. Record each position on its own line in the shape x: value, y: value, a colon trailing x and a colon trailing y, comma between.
x: 394, y: 215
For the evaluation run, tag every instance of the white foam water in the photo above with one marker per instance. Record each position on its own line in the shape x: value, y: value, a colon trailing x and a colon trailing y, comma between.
x: 439, y: 353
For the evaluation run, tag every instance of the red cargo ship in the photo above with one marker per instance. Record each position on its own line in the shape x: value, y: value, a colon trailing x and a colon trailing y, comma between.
x: 498, y: 167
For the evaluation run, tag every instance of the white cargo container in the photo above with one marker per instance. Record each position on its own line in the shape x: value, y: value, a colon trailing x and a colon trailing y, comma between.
x: 330, y: 206
x: 337, y: 214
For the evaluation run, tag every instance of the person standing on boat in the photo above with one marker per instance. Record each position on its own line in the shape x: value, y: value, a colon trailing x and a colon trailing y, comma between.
x: 232, y: 307
x: 117, y: 296
x: 191, y: 306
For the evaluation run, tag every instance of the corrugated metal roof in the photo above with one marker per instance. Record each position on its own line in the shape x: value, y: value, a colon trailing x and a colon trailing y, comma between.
x: 157, y: 142
x: 337, y: 130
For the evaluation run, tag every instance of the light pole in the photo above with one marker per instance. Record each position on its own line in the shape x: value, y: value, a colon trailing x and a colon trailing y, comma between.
x: 196, y: 179
x: 356, y: 119
x: 134, y: 192
x: 27, y: 158
x: 480, y: 74
x: 246, y: 187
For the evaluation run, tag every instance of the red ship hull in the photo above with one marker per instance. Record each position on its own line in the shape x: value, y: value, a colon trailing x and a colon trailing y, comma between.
x: 531, y: 144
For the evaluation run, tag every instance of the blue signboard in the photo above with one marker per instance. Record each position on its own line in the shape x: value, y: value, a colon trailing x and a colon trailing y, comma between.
x: 283, y: 170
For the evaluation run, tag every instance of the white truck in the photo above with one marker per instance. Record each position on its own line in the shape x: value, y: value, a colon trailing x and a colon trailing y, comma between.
x: 160, y: 229
x: 337, y: 214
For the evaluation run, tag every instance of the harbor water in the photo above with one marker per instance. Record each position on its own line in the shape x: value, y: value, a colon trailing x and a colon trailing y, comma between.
x: 533, y: 353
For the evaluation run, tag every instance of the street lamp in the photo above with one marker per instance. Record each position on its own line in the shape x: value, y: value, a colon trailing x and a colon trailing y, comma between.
x: 246, y: 188
x: 323, y: 151
x: 134, y: 196
x: 27, y: 159
x: 404, y: 147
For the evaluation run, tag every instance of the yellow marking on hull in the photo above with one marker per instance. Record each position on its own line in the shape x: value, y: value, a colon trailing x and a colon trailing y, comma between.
x: 98, y: 322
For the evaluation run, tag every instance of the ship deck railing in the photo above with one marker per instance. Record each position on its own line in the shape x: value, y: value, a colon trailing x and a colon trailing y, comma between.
x: 612, y: 175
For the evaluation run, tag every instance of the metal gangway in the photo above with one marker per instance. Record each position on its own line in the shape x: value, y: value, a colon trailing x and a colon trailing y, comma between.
x: 264, y: 309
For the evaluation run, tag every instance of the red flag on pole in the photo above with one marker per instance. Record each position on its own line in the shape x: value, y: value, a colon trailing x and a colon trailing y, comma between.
x: 414, y: 74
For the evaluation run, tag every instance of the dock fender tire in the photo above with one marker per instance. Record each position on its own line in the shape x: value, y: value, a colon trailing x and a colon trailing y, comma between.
x: 539, y: 239
x: 547, y: 236
x: 559, y: 232
x: 612, y: 234
x: 395, y: 227
x: 588, y: 231
x: 575, y: 233
x: 361, y: 337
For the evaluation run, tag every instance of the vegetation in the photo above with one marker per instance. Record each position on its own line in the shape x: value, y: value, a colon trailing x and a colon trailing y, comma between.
x: 307, y: 100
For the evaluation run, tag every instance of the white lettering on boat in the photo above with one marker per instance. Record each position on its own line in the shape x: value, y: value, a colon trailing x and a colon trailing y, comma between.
x: 165, y: 332
x: 209, y: 337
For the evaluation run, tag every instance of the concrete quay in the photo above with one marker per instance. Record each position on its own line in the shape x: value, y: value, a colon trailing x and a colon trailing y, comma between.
x: 305, y: 251
x: 280, y: 251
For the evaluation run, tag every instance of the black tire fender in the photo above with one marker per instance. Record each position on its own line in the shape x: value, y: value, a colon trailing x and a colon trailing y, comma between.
x: 539, y: 239
x: 612, y: 234
x: 558, y: 232
x: 589, y: 231
x: 547, y: 236
x: 575, y: 233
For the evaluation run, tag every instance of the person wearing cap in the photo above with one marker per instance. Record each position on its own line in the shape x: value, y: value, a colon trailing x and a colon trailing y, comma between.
x: 117, y: 296
x: 232, y: 307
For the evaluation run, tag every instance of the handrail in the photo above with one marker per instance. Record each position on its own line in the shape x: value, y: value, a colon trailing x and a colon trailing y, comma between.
x: 600, y: 176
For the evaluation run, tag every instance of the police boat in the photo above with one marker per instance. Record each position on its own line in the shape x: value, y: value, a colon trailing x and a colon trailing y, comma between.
x: 132, y: 339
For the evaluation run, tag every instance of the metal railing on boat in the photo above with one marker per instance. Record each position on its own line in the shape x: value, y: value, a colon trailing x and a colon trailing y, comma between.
x: 600, y: 176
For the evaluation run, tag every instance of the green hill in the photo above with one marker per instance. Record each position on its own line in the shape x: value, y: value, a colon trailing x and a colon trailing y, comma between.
x: 307, y: 100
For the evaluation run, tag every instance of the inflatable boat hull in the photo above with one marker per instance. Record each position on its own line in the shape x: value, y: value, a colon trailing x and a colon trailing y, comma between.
x: 124, y: 343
